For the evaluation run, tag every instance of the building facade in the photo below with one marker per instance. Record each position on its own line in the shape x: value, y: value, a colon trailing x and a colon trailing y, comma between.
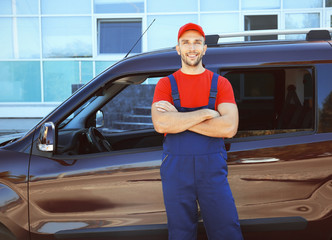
x: 49, y: 46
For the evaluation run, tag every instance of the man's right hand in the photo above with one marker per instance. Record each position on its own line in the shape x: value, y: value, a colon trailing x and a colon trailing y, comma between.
x: 164, y: 106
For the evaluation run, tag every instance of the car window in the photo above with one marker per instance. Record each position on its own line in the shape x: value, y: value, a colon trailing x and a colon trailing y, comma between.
x: 130, y: 109
x: 273, y: 100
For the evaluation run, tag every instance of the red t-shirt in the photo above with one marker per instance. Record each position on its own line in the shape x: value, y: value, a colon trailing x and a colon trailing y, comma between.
x: 194, y: 90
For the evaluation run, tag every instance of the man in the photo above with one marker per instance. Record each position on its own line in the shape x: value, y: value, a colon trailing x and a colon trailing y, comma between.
x: 195, y: 109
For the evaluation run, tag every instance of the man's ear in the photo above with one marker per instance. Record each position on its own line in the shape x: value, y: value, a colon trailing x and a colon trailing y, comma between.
x: 178, y: 49
x: 204, y: 49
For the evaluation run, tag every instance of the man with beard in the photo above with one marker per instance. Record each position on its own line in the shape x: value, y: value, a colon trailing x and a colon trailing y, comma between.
x: 195, y: 109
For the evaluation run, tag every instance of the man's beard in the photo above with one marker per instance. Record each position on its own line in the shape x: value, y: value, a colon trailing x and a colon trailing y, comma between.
x: 189, y: 63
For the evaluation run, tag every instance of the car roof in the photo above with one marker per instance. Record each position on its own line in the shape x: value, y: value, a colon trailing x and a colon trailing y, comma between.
x: 231, y: 55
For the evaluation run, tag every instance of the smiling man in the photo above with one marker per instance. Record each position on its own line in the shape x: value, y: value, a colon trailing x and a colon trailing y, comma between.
x: 195, y: 109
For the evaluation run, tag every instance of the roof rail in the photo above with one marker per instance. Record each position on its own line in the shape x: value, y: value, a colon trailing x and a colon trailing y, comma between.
x: 312, y: 34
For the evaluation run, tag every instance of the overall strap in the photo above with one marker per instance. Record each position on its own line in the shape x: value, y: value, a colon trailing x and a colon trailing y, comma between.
x: 175, y: 91
x: 213, y: 91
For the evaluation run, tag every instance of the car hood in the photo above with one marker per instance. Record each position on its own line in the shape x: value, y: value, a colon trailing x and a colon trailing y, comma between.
x: 5, y: 139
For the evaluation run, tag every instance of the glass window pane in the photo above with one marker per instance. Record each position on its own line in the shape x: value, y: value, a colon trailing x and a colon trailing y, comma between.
x: 263, y: 94
x: 261, y: 22
x: 258, y: 4
x: 6, y: 39
x: 27, y: 7
x: 127, y: 33
x: 219, y: 5
x: 214, y: 23
x: 172, y: 6
x: 67, y: 37
x: 58, y: 79
x: 5, y: 7
x: 66, y: 7
x: 20, y: 81
x: 170, y: 26
x: 28, y: 37
x: 303, y: 3
x: 328, y: 3
x: 86, y: 71
x: 102, y: 66
x: 119, y: 6
x: 302, y: 20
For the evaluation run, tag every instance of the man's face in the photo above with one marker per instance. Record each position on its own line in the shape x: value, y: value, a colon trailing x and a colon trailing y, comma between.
x: 191, y: 48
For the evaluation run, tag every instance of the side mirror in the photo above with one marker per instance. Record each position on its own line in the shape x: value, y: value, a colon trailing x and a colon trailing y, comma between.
x: 99, y: 119
x: 46, y: 139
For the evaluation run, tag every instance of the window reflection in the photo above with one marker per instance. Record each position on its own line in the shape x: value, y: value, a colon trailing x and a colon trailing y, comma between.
x: 20, y: 81
x: 258, y: 4
x: 219, y: 5
x: 27, y: 7
x: 5, y: 7
x: 328, y: 3
x: 6, y: 39
x: 170, y: 25
x: 118, y: 6
x: 172, y: 6
x: 61, y: 78
x: 119, y: 36
x: 301, y: 20
x: 66, y: 37
x: 66, y: 7
x: 303, y: 3
x: 28, y: 37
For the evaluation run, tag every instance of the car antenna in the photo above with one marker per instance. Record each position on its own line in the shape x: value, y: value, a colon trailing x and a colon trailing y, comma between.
x: 140, y: 38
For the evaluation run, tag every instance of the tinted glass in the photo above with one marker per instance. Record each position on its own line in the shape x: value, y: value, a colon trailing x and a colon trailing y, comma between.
x: 131, y: 109
x: 116, y: 6
x: 6, y: 39
x: 170, y: 25
x: 20, y: 81
x: 172, y: 6
x: 219, y: 5
x: 215, y: 23
x: 258, y: 4
x: 328, y: 3
x: 301, y: 20
x: 27, y: 7
x: 261, y: 22
x: 66, y: 37
x: 5, y: 7
x: 273, y: 101
x: 303, y: 3
x: 101, y: 66
x: 119, y: 37
x: 28, y: 38
x: 66, y: 7
x: 59, y: 76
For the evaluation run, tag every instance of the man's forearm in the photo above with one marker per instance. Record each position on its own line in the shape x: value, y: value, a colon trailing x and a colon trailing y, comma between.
x: 176, y: 122
x: 217, y: 127
x: 225, y: 125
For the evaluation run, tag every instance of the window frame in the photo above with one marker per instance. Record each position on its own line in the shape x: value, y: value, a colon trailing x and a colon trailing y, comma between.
x: 120, y: 19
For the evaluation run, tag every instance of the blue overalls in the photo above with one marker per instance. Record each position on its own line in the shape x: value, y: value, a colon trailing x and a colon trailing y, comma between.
x: 194, y: 169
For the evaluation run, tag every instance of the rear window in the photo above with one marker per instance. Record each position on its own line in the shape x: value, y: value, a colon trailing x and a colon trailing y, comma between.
x: 273, y: 100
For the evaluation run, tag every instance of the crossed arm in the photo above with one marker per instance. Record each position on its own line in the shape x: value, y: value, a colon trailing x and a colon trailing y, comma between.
x: 221, y: 123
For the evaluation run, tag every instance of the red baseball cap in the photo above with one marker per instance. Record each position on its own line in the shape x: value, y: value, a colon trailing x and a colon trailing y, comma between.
x: 191, y: 26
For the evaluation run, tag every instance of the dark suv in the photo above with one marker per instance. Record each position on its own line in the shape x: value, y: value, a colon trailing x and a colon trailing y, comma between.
x: 90, y: 169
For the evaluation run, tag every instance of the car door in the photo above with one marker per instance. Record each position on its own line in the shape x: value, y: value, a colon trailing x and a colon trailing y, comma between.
x: 79, y: 192
x: 279, y: 168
